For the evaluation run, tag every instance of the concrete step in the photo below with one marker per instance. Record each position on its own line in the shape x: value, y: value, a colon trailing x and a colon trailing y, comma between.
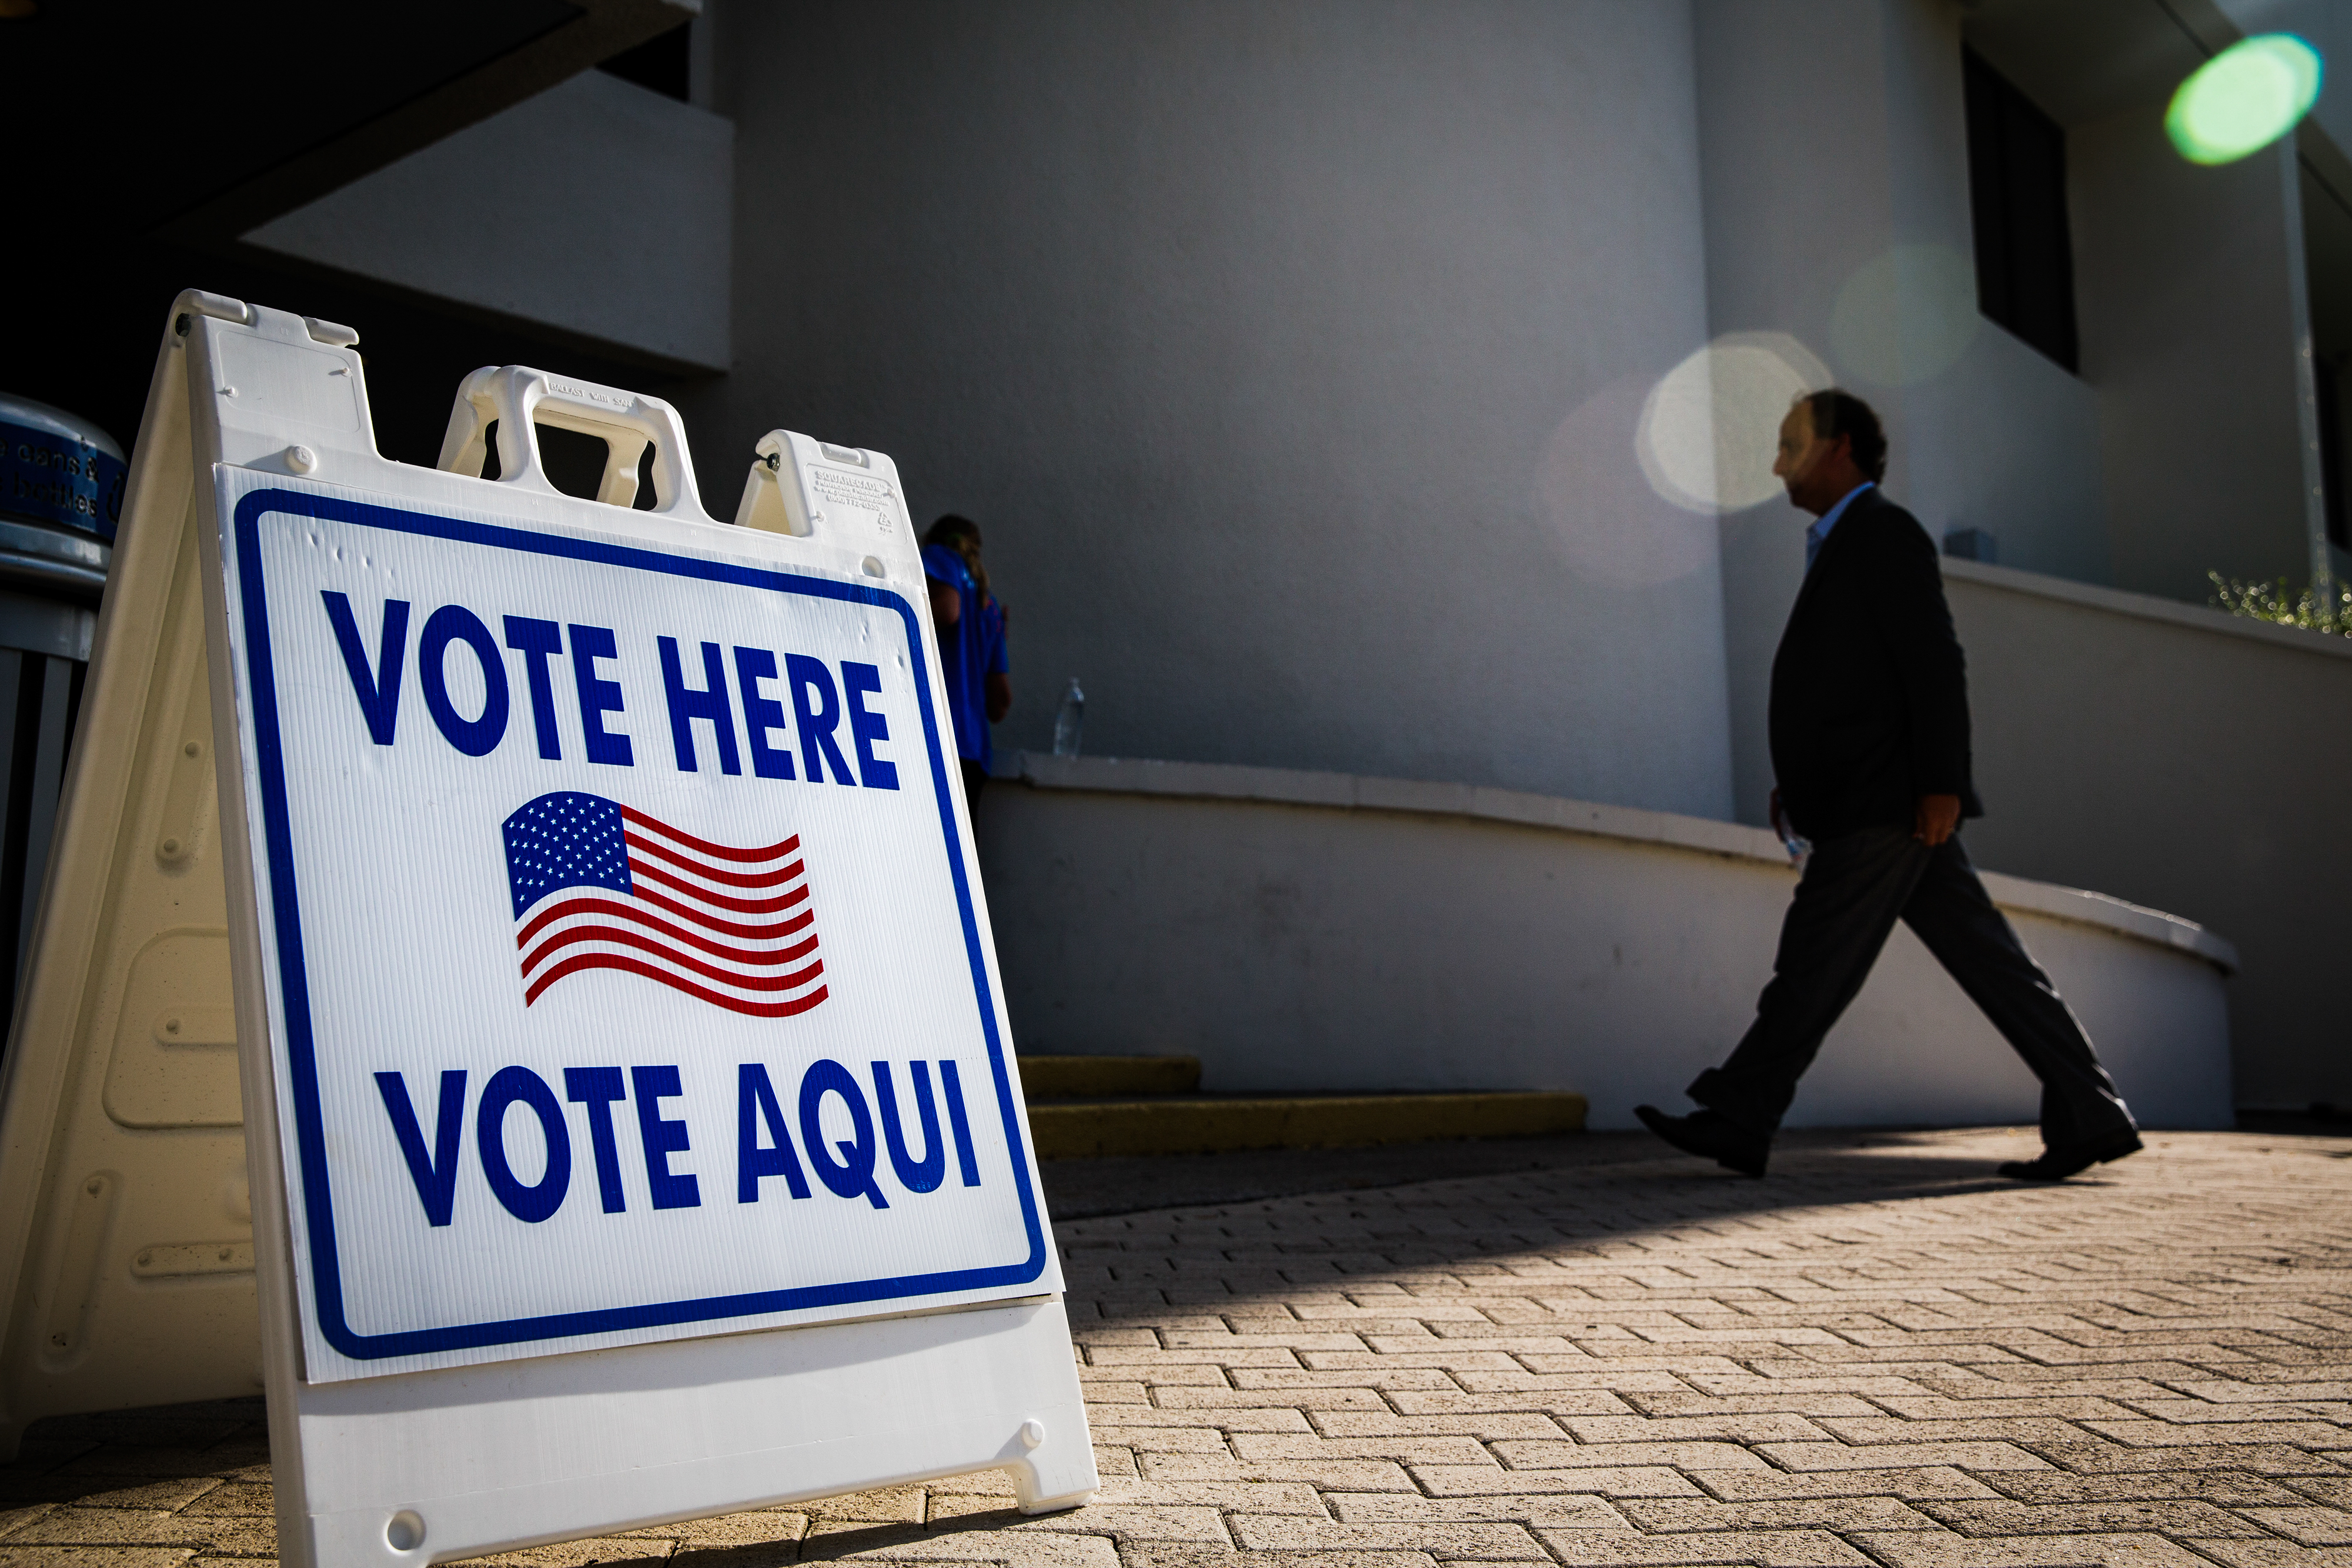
x: 1216, y: 1123
x: 1108, y: 1077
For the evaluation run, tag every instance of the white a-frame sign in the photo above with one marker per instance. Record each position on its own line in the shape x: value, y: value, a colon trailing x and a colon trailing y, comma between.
x: 631, y: 1123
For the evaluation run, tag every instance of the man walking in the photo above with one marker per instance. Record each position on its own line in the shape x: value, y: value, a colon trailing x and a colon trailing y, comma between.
x: 1869, y: 746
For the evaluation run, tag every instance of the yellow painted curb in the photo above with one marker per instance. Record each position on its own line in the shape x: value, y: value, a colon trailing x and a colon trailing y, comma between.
x: 1200, y: 1126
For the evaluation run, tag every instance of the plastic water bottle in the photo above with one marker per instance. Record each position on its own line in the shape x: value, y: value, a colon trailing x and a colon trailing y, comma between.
x: 1070, y: 724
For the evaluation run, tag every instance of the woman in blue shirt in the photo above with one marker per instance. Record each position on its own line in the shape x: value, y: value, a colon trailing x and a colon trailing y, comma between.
x: 970, y: 623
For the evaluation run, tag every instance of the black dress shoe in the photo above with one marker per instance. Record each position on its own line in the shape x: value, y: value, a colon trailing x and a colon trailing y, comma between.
x: 2057, y: 1165
x: 1708, y: 1135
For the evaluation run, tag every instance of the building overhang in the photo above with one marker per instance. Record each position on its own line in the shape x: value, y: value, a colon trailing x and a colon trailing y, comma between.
x: 194, y: 126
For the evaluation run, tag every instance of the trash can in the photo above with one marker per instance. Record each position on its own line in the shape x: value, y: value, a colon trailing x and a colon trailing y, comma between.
x: 61, y: 481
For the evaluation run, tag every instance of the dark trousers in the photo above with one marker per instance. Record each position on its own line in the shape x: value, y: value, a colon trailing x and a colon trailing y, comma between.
x: 1855, y: 888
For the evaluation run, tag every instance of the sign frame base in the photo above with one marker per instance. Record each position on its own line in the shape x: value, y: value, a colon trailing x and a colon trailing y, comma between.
x: 648, y: 1435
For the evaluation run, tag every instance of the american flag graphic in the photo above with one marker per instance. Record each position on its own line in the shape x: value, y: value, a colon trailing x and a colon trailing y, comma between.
x: 599, y: 885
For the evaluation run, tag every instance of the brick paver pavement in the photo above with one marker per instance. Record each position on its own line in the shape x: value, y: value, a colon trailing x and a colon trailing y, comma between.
x: 1879, y: 1355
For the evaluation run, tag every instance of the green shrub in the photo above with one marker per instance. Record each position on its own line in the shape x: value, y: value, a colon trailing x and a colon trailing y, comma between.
x: 2277, y: 603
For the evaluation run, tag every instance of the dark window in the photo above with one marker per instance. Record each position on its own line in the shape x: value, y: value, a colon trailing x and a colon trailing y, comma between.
x: 2017, y: 194
x: 663, y: 64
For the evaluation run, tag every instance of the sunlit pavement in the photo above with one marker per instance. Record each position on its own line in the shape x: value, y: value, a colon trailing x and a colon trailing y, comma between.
x: 1880, y: 1353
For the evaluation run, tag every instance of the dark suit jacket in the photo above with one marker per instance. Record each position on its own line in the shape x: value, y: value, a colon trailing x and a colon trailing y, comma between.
x: 1870, y: 698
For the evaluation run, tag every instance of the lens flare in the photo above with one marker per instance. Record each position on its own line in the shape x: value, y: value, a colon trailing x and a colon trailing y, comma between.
x: 1709, y: 429
x: 2243, y: 98
x: 1907, y: 316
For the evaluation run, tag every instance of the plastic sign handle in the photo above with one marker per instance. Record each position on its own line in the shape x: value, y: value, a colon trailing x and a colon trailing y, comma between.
x: 518, y: 398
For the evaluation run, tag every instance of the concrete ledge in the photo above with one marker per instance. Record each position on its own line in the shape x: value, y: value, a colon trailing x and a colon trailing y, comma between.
x: 1304, y: 933
x: 1350, y: 792
x: 2147, y: 607
x: 1207, y: 1125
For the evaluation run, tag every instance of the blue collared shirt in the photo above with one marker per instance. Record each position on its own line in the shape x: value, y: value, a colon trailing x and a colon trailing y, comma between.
x: 1820, y: 531
x: 965, y: 655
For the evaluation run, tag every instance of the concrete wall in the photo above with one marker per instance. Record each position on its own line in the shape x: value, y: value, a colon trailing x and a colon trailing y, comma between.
x: 1322, y: 932
x: 2186, y: 277
x: 1289, y: 353
x: 2186, y: 280
x: 1834, y: 149
x: 2174, y: 756
x: 2326, y: 189
x: 597, y: 213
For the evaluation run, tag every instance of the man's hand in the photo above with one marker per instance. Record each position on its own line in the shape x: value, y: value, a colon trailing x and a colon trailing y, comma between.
x: 1795, y: 846
x: 1938, y: 818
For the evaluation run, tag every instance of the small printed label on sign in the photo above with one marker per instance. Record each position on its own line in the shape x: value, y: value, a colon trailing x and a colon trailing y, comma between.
x: 626, y: 973
x: 861, y: 495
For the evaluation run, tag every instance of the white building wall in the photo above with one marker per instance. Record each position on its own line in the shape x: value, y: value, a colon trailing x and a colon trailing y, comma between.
x: 2190, y: 321
x: 1835, y: 156
x: 1288, y: 352
x: 2180, y: 758
x: 596, y: 213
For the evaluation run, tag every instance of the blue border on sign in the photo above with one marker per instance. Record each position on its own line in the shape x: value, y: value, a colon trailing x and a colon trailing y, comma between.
x: 318, y: 1196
